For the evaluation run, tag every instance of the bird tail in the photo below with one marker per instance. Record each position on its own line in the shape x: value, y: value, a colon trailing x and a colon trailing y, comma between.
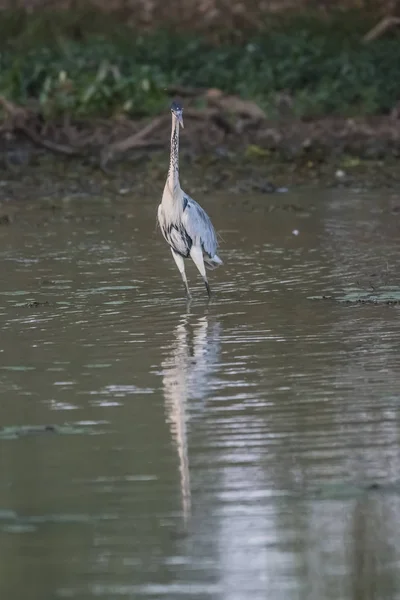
x: 212, y: 262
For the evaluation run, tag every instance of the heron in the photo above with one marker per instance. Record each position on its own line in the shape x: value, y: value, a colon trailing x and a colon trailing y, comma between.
x: 184, y: 224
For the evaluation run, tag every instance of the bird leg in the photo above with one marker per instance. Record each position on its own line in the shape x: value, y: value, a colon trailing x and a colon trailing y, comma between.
x: 196, y: 254
x: 181, y: 266
x: 185, y: 283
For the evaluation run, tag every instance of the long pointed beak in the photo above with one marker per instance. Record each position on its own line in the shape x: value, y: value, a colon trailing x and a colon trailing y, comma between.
x: 180, y: 120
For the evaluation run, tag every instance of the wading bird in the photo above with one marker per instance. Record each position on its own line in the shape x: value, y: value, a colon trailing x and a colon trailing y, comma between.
x: 184, y: 224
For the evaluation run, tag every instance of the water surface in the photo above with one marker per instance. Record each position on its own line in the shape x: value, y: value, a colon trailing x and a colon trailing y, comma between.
x: 246, y: 448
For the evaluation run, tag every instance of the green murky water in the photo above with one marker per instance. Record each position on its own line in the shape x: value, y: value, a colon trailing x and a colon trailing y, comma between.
x: 249, y: 448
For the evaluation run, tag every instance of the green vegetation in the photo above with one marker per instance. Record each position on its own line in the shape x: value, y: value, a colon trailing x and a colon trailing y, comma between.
x: 83, y: 68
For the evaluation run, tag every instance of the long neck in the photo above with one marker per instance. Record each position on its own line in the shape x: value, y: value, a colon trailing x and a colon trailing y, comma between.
x: 173, y: 171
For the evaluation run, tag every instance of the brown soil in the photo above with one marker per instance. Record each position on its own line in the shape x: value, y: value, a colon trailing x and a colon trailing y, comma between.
x: 230, y: 124
x: 229, y: 146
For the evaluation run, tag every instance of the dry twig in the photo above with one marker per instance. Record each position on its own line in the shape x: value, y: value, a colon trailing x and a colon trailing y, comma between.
x: 19, y: 119
x: 137, y: 140
x: 381, y: 28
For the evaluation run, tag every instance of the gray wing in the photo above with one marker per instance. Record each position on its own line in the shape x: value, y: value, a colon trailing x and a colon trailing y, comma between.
x: 198, y: 226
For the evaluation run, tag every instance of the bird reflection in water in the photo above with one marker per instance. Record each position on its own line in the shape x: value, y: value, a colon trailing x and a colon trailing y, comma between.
x: 186, y: 374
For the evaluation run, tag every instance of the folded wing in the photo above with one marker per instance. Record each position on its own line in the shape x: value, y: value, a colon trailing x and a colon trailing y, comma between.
x: 199, y: 227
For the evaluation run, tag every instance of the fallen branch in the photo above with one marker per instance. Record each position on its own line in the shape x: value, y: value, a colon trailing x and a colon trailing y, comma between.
x: 382, y: 27
x: 19, y: 118
x: 234, y: 105
x: 133, y: 141
x: 12, y: 109
x: 53, y: 146
x: 211, y: 114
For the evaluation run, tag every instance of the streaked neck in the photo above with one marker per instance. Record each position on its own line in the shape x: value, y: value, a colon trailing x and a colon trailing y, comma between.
x: 173, y: 171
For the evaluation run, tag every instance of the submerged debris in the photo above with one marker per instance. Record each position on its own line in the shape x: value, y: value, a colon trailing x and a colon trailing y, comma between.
x: 35, y: 304
x: 13, y: 432
x: 386, y: 295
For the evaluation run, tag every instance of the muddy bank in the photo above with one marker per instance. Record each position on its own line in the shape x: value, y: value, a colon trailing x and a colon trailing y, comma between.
x: 250, y: 157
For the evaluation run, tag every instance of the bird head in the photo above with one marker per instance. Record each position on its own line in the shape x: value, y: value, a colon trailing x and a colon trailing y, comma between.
x: 177, y: 110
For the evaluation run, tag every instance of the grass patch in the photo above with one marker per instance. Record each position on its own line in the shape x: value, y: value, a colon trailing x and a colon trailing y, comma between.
x: 85, y: 65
